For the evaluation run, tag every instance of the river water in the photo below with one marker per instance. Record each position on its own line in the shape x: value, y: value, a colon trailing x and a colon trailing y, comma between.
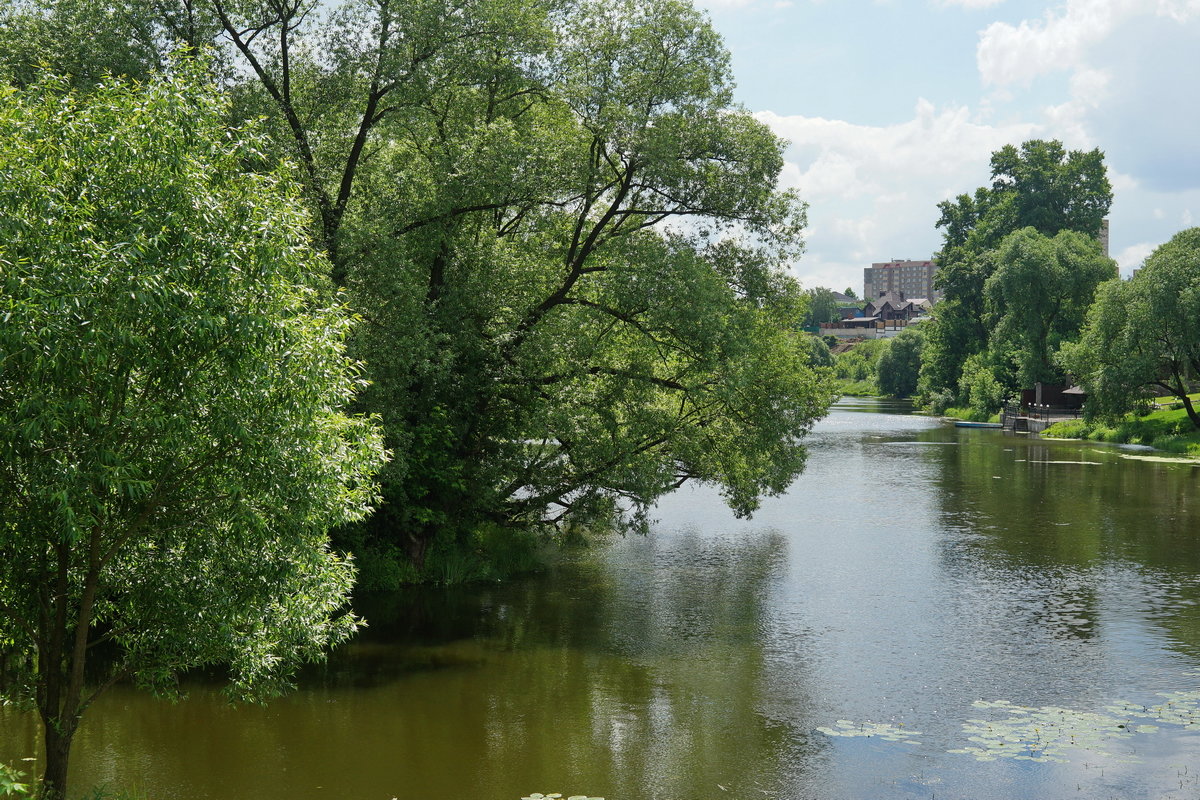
x: 1005, y: 617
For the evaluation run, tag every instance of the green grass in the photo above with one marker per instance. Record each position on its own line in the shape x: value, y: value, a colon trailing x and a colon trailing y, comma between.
x: 1168, y: 429
x: 1172, y: 401
x: 865, y: 388
x: 969, y: 415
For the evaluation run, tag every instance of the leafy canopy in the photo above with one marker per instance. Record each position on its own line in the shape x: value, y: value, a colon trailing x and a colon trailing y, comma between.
x: 898, y: 366
x: 1143, y: 334
x: 1037, y: 296
x: 542, y: 346
x: 1039, y: 185
x: 173, y: 444
x: 564, y: 238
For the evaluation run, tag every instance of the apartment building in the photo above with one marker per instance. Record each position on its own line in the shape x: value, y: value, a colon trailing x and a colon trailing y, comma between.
x: 912, y: 278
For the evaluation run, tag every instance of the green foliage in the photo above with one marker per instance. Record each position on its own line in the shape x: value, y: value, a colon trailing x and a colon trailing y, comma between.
x: 490, y: 553
x: 819, y: 355
x: 863, y: 388
x: 940, y: 402
x: 12, y: 784
x: 1170, y: 430
x: 860, y: 362
x: 86, y: 40
x: 822, y: 307
x: 950, y: 338
x: 1038, y: 295
x: 1040, y: 186
x: 173, y: 444
x: 1142, y: 336
x: 967, y: 413
x: 541, y: 350
x: 984, y: 384
x: 899, y: 365
x: 493, y: 183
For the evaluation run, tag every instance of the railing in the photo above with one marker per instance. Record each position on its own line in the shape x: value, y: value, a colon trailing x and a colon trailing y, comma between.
x: 1009, y: 416
x: 1034, y: 411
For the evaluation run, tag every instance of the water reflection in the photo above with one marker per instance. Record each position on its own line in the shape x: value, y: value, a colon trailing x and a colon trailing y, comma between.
x: 914, y: 569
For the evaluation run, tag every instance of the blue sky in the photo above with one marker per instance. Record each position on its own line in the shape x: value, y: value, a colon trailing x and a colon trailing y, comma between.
x: 894, y: 105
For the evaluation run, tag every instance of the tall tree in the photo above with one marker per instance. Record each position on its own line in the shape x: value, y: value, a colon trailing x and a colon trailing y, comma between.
x: 565, y: 241
x: 899, y: 365
x: 1038, y: 296
x: 1040, y: 185
x: 173, y: 445
x: 822, y: 307
x: 493, y: 181
x: 595, y: 360
x: 1143, y: 334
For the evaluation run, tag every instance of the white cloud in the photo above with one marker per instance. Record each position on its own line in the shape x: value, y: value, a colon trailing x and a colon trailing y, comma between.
x: 724, y: 4
x: 971, y: 3
x: 1125, y: 61
x: 1016, y: 54
x: 1059, y: 41
x: 873, y: 190
x: 1089, y: 90
x: 1131, y: 257
x: 1179, y: 10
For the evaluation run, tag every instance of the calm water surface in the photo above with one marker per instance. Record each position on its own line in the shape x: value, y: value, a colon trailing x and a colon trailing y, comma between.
x: 912, y: 572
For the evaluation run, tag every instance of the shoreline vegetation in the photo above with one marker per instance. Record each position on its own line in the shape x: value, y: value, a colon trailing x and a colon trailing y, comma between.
x: 1167, y: 429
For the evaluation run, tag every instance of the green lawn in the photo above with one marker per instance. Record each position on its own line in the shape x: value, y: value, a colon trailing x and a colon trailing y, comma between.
x: 1165, y: 429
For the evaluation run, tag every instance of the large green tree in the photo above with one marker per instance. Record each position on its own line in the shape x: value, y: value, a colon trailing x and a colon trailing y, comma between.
x: 822, y: 307
x: 1039, y: 185
x: 899, y: 366
x: 564, y: 238
x: 173, y: 444
x: 1143, y: 334
x: 1037, y: 298
x: 495, y: 182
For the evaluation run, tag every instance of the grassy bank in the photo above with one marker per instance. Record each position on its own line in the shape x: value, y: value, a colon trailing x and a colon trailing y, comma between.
x: 864, y: 388
x: 1167, y: 429
x: 969, y: 415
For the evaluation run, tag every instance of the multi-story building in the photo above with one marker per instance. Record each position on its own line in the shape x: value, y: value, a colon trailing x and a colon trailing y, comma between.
x: 912, y: 278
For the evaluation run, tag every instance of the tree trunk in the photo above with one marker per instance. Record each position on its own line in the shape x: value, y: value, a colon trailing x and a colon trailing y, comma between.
x: 1191, y: 409
x: 58, y: 737
x: 416, y: 544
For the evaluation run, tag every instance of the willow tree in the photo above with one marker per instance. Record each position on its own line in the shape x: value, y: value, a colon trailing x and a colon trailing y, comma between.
x: 593, y: 250
x: 564, y: 238
x: 1142, y: 336
x: 1038, y: 296
x: 173, y: 445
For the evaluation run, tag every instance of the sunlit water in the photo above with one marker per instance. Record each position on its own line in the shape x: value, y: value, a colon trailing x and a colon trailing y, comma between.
x: 915, y: 575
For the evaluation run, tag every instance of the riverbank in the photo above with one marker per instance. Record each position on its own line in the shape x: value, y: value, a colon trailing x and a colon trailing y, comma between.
x: 1168, y: 429
x: 968, y: 415
x: 864, y: 388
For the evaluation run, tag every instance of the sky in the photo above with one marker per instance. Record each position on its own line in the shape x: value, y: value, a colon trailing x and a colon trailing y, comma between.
x: 892, y: 106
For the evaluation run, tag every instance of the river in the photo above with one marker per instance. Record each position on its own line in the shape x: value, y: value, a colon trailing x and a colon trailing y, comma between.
x: 929, y: 612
